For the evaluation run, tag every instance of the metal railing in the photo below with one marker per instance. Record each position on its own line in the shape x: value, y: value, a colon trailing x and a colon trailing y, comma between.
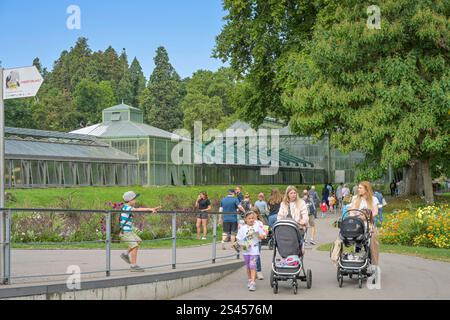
x: 6, y: 245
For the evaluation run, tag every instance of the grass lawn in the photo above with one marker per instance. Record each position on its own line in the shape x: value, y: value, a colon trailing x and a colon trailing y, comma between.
x: 427, y: 253
x: 95, y: 197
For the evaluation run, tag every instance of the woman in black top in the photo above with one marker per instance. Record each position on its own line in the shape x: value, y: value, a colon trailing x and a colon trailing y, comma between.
x: 203, y: 205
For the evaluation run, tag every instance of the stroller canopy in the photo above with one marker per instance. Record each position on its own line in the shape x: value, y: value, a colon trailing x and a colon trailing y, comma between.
x: 352, y: 227
x: 287, y: 237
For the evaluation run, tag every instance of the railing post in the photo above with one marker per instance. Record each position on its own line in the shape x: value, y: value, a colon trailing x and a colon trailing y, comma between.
x: 214, y: 253
x: 108, y: 243
x: 174, y: 240
x: 7, y: 247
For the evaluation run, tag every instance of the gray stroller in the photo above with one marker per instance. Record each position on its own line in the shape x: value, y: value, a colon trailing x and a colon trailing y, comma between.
x: 288, y: 242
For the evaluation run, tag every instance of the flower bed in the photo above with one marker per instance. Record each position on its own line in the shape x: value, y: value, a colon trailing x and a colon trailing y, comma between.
x: 425, y: 227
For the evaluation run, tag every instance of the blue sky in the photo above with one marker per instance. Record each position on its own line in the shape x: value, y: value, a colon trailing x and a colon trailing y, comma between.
x: 187, y: 28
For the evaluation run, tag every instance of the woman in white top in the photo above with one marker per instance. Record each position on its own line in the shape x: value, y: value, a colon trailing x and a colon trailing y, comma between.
x: 296, y: 206
x: 365, y: 199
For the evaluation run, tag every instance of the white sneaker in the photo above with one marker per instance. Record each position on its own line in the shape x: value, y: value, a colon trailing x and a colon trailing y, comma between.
x: 260, y: 276
x: 252, y: 286
x: 203, y: 238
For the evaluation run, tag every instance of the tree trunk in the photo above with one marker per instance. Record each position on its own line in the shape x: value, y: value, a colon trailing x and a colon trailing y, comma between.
x: 410, y: 177
x: 427, y: 182
x: 420, y: 186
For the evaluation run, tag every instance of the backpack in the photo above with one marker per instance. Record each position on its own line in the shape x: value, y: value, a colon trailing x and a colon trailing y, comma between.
x: 310, y: 206
x: 246, y: 205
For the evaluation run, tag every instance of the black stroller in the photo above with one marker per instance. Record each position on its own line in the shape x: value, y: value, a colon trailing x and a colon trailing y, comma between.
x: 288, y: 241
x: 355, y: 231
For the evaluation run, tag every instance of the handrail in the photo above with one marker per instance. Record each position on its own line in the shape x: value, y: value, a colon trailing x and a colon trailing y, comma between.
x: 6, y: 246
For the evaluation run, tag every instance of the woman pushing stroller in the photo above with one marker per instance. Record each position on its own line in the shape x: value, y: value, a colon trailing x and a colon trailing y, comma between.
x: 294, y: 207
x: 289, y: 233
x: 366, y: 200
x: 357, y: 229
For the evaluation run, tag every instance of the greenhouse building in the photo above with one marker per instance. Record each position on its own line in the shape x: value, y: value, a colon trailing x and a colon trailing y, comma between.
x: 124, y: 129
x: 36, y: 158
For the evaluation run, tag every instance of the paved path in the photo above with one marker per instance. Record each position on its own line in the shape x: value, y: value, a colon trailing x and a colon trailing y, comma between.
x: 402, y: 277
x: 35, y: 266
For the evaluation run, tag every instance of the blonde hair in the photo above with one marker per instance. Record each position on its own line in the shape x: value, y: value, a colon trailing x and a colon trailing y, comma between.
x: 369, y: 193
x: 275, y: 196
x: 286, y: 195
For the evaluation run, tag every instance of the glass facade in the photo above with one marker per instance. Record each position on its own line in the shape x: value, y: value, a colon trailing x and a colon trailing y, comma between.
x: 35, y: 158
x: 39, y: 173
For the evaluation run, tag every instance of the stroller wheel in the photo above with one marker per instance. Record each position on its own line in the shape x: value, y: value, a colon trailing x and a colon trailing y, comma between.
x: 341, y: 281
x: 309, y: 279
x: 340, y: 277
x: 275, y: 287
x: 271, y: 279
x: 360, y: 282
x: 350, y: 275
x: 270, y: 244
x: 295, y: 288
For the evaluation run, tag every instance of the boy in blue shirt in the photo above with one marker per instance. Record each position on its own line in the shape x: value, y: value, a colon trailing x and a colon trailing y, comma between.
x: 230, y: 221
x: 126, y: 227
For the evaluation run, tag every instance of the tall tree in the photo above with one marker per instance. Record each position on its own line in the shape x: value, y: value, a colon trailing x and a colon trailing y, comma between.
x: 256, y: 39
x: 18, y: 113
x: 54, y: 110
x: 161, y: 99
x: 384, y: 92
x: 90, y: 99
x: 72, y: 66
x: 208, y: 98
x: 137, y: 81
x: 124, y: 91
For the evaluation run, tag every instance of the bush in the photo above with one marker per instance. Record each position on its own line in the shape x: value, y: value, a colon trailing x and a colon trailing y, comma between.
x: 426, y: 227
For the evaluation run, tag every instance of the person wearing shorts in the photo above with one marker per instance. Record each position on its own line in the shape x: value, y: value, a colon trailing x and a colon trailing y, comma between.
x: 203, y: 205
x: 127, y: 233
x: 248, y: 237
x: 229, y: 204
x: 311, y: 215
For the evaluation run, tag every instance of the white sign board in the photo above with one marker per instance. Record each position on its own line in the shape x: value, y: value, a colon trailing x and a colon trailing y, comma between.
x: 339, y: 176
x: 21, y: 82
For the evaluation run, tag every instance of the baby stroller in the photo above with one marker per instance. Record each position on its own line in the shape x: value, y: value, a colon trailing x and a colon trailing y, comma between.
x: 355, y: 231
x: 268, y: 241
x: 288, y: 241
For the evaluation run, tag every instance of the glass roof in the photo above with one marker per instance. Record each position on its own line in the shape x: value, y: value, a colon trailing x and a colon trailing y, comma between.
x: 120, y: 129
x: 26, y: 149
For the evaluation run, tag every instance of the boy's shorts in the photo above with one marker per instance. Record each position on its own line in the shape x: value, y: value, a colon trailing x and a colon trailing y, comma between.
x: 230, y: 228
x: 131, y: 238
x: 312, y: 221
x: 250, y: 261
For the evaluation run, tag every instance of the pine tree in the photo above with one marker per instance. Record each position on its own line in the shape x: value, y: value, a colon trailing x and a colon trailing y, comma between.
x: 137, y: 81
x: 161, y: 99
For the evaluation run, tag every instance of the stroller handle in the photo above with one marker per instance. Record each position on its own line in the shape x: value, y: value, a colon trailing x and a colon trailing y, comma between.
x: 366, y: 213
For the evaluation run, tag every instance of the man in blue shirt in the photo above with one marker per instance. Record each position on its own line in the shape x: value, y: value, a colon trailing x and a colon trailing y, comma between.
x: 229, y: 204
